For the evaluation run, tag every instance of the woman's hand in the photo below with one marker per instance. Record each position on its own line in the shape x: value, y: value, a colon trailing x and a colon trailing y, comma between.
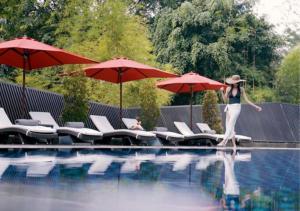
x: 258, y: 108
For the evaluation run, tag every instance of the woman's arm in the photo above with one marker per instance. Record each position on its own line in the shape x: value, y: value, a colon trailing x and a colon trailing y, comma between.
x: 248, y: 101
x: 225, y: 96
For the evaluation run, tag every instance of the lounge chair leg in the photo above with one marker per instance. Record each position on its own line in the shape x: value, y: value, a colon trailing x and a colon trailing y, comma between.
x: 130, y: 141
x: 21, y: 138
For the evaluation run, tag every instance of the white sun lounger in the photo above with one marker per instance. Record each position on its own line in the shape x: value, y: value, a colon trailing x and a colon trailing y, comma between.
x: 204, y: 128
x: 37, y: 132
x: 104, y: 126
x: 168, y: 136
x: 83, y: 134
x: 189, y: 135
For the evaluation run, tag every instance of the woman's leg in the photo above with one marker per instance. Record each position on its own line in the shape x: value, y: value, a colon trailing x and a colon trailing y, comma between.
x: 231, y: 118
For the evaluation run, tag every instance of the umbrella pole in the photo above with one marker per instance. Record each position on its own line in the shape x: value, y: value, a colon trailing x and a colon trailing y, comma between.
x: 121, y: 87
x: 191, y: 108
x: 25, y: 57
x: 23, y: 95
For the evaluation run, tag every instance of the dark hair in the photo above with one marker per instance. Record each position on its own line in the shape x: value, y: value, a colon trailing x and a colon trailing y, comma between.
x: 239, y: 86
x: 138, y: 118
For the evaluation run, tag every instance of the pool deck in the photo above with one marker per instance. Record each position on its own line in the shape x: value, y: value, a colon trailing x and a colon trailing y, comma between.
x: 14, y: 146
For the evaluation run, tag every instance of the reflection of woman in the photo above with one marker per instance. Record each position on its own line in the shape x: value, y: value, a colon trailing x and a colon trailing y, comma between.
x: 231, y: 187
x: 233, y: 95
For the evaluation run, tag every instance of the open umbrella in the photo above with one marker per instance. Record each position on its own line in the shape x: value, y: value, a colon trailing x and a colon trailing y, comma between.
x: 121, y: 70
x: 29, y: 54
x: 190, y: 83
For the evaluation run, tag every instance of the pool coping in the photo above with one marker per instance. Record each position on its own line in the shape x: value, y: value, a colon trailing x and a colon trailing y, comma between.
x: 13, y: 146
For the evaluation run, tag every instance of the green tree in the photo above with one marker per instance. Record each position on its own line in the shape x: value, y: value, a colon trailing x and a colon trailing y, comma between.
x: 109, y: 31
x: 216, y: 39
x: 210, y: 111
x: 288, y: 77
x: 150, y: 110
x: 44, y: 79
x: 75, y: 97
x: 35, y: 19
x: 263, y: 94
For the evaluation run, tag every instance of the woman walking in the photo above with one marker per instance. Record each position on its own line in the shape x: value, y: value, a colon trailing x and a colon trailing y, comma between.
x: 232, y: 96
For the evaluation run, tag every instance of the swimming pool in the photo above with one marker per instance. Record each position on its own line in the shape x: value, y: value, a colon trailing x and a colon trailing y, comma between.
x: 149, y: 179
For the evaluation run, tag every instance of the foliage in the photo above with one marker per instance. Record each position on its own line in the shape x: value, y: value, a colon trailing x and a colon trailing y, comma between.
x: 263, y: 94
x: 75, y: 97
x: 110, y: 31
x: 149, y: 8
x: 150, y: 110
x: 216, y: 39
x: 45, y: 79
x: 35, y: 19
x: 292, y: 38
x: 288, y: 77
x: 210, y: 111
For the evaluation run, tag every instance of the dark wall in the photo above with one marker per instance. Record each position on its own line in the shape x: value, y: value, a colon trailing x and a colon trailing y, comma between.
x: 277, y: 122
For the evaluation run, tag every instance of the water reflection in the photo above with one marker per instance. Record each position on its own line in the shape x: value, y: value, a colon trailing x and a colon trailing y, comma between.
x: 231, y: 188
x: 175, y: 179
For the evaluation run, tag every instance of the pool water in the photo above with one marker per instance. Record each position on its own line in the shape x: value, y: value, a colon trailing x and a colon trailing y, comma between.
x: 149, y: 179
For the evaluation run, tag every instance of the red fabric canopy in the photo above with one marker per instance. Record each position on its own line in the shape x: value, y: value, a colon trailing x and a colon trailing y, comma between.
x: 29, y: 54
x: 38, y: 54
x: 190, y: 83
x: 122, y: 70
x: 190, y: 80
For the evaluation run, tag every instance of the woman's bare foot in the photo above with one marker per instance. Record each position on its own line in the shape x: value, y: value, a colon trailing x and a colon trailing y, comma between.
x: 221, y: 144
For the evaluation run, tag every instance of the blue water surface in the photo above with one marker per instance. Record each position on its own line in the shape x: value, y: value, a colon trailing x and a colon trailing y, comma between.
x: 149, y: 179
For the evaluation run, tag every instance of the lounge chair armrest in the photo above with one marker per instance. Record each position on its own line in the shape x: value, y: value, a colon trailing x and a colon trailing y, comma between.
x: 27, y: 122
x: 161, y: 129
x: 75, y: 124
x: 46, y: 125
x: 210, y: 131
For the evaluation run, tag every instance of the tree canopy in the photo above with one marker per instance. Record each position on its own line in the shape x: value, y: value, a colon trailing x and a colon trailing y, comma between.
x: 216, y: 39
x: 288, y: 77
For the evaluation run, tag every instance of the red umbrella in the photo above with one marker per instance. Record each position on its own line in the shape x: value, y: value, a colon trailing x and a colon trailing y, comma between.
x: 121, y: 70
x: 30, y: 54
x: 190, y: 83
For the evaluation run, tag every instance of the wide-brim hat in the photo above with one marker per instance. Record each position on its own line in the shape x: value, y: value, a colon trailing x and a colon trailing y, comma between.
x: 234, y: 79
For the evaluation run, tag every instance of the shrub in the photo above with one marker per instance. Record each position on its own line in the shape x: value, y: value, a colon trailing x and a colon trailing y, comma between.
x: 150, y: 110
x: 210, y: 111
x: 288, y: 77
x: 75, y: 98
x: 264, y: 94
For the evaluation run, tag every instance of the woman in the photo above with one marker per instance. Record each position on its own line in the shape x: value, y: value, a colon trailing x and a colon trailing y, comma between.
x: 233, y: 95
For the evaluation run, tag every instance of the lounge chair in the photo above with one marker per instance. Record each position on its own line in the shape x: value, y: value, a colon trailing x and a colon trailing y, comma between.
x: 162, y: 133
x: 204, y: 128
x: 76, y: 130
x: 190, y: 136
x: 30, y: 132
x: 104, y: 126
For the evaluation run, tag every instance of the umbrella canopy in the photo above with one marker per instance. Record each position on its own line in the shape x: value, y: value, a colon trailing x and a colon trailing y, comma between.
x: 29, y: 54
x: 190, y: 83
x: 121, y: 70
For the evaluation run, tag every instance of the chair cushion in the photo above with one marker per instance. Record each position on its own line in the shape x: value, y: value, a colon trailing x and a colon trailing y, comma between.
x: 75, y: 124
x: 161, y: 129
x: 209, y: 131
x: 27, y: 122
